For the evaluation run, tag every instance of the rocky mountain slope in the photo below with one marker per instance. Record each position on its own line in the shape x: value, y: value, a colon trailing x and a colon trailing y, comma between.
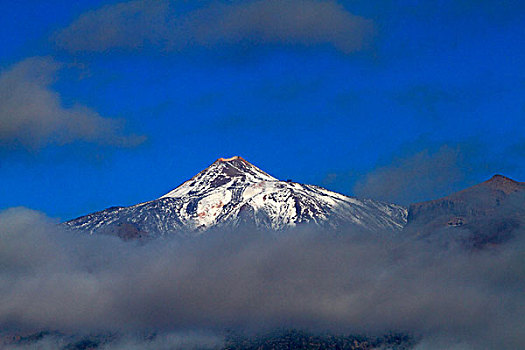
x: 232, y: 192
x: 485, y: 214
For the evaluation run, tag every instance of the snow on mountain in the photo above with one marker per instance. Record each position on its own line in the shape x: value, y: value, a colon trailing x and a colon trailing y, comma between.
x: 232, y: 192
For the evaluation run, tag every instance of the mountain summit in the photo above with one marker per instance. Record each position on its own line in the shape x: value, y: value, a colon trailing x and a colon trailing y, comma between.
x: 233, y: 192
x: 500, y: 183
x: 231, y: 172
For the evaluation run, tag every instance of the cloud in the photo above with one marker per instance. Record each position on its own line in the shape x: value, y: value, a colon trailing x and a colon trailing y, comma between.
x: 139, y: 24
x: 129, y: 25
x: 417, y: 176
x: 32, y: 115
x: 351, y: 283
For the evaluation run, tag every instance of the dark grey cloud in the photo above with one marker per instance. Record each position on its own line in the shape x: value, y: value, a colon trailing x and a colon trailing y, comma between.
x: 160, y: 24
x: 32, y: 114
x: 350, y: 283
x: 186, y: 340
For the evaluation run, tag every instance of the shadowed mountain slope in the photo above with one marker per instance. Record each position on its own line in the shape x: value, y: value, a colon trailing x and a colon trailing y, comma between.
x: 482, y: 215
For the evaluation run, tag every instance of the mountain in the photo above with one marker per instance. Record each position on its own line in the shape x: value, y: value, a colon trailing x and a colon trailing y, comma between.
x: 483, y: 215
x: 232, y: 192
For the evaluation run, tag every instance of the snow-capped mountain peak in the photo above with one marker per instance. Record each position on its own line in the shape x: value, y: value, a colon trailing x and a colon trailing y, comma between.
x: 224, y: 172
x: 232, y: 192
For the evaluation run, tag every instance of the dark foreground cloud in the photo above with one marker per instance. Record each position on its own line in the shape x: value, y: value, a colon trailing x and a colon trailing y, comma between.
x: 356, y: 283
x: 138, y: 24
x: 32, y: 115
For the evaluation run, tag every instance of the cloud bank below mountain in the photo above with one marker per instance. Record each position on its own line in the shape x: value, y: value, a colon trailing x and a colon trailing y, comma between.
x: 349, y: 283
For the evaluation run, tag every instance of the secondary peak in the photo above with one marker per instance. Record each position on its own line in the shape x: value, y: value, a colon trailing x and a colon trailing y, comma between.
x: 500, y: 179
x: 499, y: 176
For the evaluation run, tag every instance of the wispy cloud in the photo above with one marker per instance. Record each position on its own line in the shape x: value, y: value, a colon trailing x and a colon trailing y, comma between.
x: 32, y: 114
x: 138, y: 24
x: 418, y: 176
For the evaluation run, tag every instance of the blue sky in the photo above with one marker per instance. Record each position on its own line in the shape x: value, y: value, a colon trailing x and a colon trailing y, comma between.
x: 112, y: 103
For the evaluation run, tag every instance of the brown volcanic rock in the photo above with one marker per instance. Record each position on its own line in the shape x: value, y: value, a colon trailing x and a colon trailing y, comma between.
x: 482, y: 215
